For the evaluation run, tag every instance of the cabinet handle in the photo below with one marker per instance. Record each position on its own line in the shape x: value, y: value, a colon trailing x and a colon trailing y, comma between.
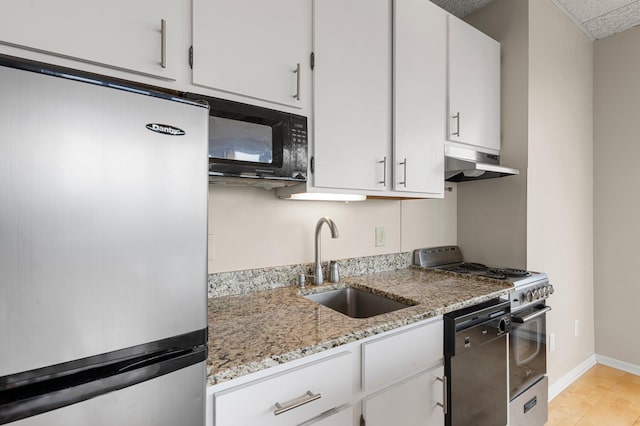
x: 297, y: 72
x: 384, y: 171
x: 305, y: 399
x: 163, y: 43
x: 457, y: 118
x: 444, y: 404
x: 404, y: 182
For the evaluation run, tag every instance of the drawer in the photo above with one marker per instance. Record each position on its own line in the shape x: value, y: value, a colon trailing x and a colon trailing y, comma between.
x: 315, y: 387
x: 392, y: 357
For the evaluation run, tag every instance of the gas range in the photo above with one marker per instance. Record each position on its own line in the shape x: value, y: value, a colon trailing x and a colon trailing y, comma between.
x: 527, y: 360
x: 529, y: 287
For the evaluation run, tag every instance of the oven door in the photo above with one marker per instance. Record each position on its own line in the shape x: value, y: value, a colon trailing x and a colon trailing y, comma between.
x: 527, y: 348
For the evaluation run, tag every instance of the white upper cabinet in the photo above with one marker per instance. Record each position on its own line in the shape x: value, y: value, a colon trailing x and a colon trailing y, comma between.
x: 420, y: 76
x: 352, y: 94
x: 125, y: 35
x: 474, y: 87
x: 254, y: 48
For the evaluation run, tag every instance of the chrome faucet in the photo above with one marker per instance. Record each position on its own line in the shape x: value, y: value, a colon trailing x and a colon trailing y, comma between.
x: 318, y: 279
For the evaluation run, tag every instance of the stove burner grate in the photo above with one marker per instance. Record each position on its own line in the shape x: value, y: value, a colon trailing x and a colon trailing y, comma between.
x: 510, y: 272
x: 495, y: 275
x: 457, y: 269
x: 470, y: 266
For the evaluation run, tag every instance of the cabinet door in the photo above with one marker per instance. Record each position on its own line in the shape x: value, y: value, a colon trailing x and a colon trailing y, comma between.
x: 412, y: 402
x: 474, y: 87
x: 253, y: 47
x: 121, y: 34
x: 420, y: 76
x: 352, y: 94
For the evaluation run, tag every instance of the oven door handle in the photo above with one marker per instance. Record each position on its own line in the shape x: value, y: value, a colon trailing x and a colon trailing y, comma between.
x: 522, y: 320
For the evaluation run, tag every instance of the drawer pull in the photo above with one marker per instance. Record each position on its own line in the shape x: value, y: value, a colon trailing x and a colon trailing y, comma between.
x: 305, y: 399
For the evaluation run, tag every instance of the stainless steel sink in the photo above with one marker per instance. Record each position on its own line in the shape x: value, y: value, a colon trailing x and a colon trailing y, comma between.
x: 356, y: 303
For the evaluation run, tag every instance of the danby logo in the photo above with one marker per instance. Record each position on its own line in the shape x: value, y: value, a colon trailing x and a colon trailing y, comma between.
x: 165, y: 129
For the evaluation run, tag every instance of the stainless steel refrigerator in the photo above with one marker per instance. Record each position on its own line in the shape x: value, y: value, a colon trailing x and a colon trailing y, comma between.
x: 103, y: 264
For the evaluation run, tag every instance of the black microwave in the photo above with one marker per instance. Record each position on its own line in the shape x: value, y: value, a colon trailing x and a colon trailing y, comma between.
x: 255, y: 142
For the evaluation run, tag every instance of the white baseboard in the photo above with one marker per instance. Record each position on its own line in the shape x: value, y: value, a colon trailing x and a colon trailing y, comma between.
x: 620, y: 365
x: 571, y: 376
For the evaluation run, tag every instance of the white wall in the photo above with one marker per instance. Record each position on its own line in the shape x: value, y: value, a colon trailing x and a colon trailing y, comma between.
x: 250, y: 228
x: 617, y: 200
x: 549, y: 128
x: 560, y: 184
x: 492, y: 214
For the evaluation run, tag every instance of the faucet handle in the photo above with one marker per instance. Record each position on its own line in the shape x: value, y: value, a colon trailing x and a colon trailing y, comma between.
x: 334, y: 275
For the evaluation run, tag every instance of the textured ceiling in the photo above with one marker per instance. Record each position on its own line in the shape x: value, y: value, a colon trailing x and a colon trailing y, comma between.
x: 602, y: 18
x: 596, y: 18
x: 461, y: 8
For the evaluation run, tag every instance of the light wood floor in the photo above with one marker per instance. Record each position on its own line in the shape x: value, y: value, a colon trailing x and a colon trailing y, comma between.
x: 602, y: 396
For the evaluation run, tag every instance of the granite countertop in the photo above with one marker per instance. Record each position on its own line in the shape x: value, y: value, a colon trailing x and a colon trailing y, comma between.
x: 251, y: 332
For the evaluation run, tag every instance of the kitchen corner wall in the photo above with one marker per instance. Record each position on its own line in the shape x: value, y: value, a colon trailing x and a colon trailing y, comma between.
x: 547, y: 121
x: 250, y: 228
x: 560, y: 186
x: 617, y: 203
x: 492, y: 220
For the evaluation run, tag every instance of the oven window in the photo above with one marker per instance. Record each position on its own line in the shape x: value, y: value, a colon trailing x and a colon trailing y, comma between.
x: 527, y: 357
x: 240, y: 140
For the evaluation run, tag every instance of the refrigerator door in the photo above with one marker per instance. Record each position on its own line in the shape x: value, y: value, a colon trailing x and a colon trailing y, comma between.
x: 103, y: 222
x: 144, y: 404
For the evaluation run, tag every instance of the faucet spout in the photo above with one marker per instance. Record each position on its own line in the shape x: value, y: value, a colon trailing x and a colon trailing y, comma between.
x: 318, y: 279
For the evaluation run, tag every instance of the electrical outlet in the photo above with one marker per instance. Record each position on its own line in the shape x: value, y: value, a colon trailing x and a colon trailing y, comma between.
x: 552, y: 342
x: 380, y: 237
x: 576, y: 328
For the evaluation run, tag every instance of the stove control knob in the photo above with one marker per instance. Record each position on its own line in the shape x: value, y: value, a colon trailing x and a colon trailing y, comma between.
x: 522, y: 297
x: 550, y: 289
x: 545, y: 291
x: 536, y: 294
x: 529, y: 296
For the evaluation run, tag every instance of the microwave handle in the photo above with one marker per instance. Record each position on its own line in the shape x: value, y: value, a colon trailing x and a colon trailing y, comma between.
x: 297, y: 72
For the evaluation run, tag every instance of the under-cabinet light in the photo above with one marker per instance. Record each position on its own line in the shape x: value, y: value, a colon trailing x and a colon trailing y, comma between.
x: 324, y: 196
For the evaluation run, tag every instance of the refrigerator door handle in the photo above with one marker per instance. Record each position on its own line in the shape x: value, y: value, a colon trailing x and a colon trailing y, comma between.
x: 154, y: 359
x: 31, y: 393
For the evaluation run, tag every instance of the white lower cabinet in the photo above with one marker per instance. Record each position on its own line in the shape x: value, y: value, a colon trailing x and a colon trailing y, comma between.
x: 288, y: 398
x: 397, y: 355
x: 411, y: 402
x: 402, y: 376
x: 394, y: 378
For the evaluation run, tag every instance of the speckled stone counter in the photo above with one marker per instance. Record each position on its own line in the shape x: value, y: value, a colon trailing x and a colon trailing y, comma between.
x: 251, y: 332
